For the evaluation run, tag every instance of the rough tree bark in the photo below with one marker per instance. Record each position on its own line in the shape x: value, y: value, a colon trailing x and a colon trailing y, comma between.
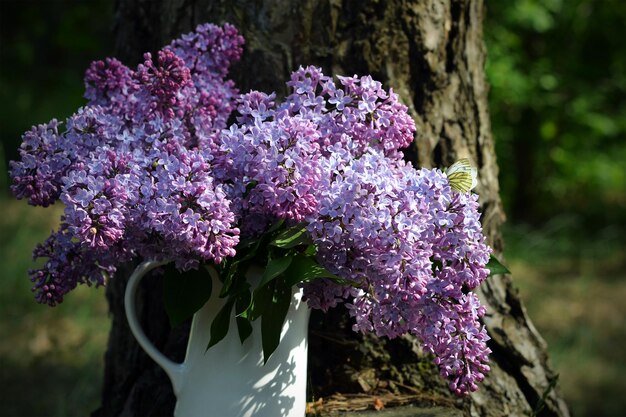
x: 432, y: 53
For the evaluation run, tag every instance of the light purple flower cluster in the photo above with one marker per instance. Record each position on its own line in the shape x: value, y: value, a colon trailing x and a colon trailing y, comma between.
x: 272, y: 160
x: 149, y: 169
x: 356, y: 115
x: 414, y: 249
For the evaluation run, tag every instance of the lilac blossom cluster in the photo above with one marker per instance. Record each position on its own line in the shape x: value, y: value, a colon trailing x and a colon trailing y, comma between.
x: 149, y: 169
x: 415, y: 249
x: 133, y: 167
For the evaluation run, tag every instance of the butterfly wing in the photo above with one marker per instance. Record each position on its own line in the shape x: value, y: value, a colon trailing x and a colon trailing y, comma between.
x: 462, y: 176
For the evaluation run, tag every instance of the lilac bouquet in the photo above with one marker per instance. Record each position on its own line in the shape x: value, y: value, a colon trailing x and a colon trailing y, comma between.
x: 313, y: 188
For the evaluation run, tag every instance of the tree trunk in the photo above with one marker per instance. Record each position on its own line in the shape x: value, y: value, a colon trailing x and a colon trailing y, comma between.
x: 432, y: 54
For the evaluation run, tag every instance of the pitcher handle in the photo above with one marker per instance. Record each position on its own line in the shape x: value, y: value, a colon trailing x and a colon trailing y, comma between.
x: 172, y: 369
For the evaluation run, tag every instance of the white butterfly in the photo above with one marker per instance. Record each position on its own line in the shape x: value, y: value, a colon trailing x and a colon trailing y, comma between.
x: 462, y: 176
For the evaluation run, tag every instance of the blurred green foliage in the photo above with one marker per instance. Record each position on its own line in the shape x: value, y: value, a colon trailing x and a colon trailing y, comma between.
x: 45, y: 48
x: 51, y: 359
x: 557, y: 71
x: 574, y: 291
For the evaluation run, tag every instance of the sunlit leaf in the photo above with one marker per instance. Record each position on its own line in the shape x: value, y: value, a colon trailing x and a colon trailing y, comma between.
x: 304, y: 269
x: 274, y: 268
x: 292, y: 237
x: 495, y: 267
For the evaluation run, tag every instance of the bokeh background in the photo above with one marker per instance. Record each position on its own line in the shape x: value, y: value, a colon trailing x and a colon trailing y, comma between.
x: 557, y: 70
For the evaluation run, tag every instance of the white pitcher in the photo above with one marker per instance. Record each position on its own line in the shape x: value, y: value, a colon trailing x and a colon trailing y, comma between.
x: 230, y: 379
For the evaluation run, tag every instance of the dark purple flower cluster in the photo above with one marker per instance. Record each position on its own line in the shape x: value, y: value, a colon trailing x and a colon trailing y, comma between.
x: 69, y: 264
x: 149, y: 169
x: 133, y: 167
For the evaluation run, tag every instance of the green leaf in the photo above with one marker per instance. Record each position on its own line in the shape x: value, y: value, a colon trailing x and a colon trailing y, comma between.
x: 228, y: 279
x: 233, y: 282
x: 304, y: 269
x: 249, y: 187
x: 261, y: 300
x: 343, y: 281
x: 311, y: 250
x: 184, y: 293
x: 274, y: 268
x: 495, y: 267
x: 292, y: 237
x: 221, y: 322
x: 244, y: 301
x: 273, y: 319
x: 274, y: 227
x: 244, y: 327
x: 249, y: 252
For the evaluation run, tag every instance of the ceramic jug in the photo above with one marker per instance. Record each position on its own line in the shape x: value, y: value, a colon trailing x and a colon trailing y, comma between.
x: 230, y: 379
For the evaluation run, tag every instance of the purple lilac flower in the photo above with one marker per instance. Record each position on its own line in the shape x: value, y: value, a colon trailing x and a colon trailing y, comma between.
x: 149, y: 169
x: 109, y: 83
x: 208, y: 52
x: 186, y: 81
x: 124, y: 168
x: 37, y: 177
x: 370, y: 230
x: 96, y: 200
x: 68, y: 264
x: 184, y: 207
x: 272, y: 163
x: 163, y: 84
x: 358, y: 113
x: 412, y: 246
x: 449, y: 327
